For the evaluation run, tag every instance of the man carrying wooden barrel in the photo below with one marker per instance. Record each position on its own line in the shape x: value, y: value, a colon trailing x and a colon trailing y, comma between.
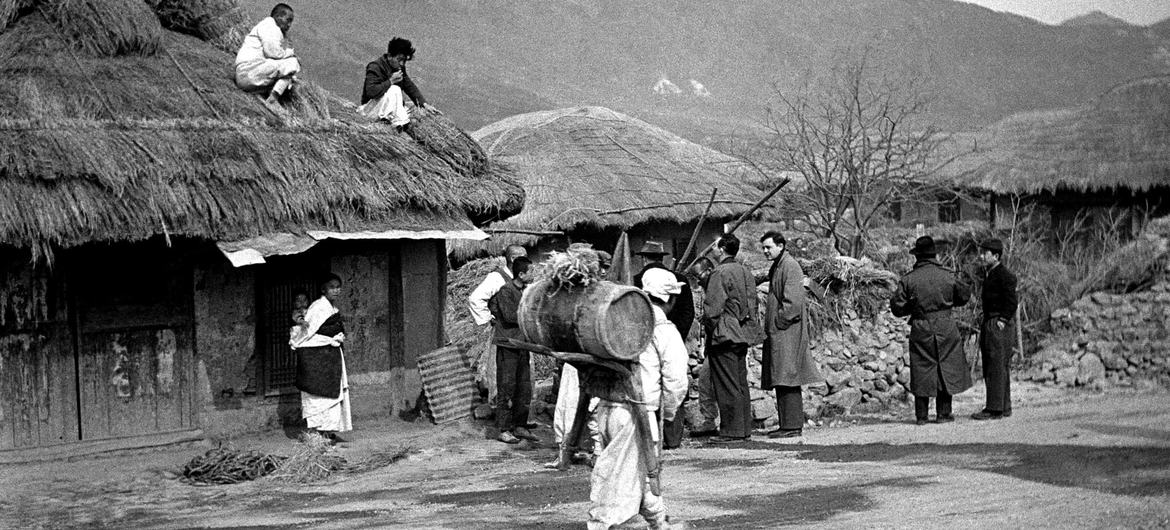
x: 625, y: 477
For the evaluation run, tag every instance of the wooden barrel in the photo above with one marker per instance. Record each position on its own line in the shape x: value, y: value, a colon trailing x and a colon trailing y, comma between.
x: 605, y: 319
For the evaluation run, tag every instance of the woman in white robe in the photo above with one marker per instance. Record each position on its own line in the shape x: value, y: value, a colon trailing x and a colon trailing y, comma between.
x: 321, y: 364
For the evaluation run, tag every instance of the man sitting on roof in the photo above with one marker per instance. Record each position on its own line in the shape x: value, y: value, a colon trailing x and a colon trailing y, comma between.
x: 264, y: 63
x: 387, y: 81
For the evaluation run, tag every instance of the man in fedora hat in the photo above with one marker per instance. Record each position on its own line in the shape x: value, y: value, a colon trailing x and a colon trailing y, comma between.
x: 996, y: 331
x: 681, y: 313
x: 938, y: 367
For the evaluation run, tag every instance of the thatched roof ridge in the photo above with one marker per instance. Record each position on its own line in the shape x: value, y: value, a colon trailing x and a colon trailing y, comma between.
x: 102, y: 145
x: 592, y: 166
x: 1121, y: 140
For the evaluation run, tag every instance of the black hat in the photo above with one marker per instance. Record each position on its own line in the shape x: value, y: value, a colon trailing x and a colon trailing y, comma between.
x: 924, y: 246
x: 652, y: 248
x: 993, y: 244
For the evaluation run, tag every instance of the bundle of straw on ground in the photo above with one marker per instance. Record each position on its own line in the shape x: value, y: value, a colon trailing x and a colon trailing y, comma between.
x: 226, y: 465
x: 313, y: 459
x: 852, y: 287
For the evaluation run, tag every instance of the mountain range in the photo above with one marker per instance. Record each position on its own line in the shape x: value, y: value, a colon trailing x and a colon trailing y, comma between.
x: 483, y: 60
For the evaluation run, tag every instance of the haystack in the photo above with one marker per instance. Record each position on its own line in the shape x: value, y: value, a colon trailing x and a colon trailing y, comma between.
x: 1121, y: 140
x: 593, y: 167
x: 116, y: 129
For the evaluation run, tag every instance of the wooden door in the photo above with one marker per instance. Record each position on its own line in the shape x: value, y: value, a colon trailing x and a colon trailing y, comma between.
x: 278, y: 283
x: 38, y: 393
x: 135, y: 341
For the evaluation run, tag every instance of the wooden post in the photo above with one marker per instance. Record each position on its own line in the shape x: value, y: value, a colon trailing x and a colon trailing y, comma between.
x: 695, y: 235
x: 742, y: 219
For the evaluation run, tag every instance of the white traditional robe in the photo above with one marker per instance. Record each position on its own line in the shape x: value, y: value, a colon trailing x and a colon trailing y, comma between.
x: 323, y: 413
x: 263, y: 60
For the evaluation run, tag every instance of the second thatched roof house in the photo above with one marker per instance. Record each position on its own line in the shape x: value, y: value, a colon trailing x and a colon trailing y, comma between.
x: 589, y: 173
x: 1113, y: 152
x: 156, y: 222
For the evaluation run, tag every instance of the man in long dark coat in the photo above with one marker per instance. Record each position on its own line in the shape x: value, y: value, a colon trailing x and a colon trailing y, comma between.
x: 938, y: 367
x: 996, y: 333
x: 787, y: 364
x: 730, y: 317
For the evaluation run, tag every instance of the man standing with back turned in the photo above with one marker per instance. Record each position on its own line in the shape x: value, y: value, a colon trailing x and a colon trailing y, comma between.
x: 938, y: 367
x: 732, y: 324
x: 996, y: 333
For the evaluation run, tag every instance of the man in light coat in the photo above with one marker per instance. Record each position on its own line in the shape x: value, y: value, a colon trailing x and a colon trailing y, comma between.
x: 787, y: 364
x: 264, y: 61
x: 620, y: 485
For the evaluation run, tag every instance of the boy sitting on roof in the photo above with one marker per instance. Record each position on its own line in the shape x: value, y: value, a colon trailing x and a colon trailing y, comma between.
x: 387, y: 81
x: 264, y: 63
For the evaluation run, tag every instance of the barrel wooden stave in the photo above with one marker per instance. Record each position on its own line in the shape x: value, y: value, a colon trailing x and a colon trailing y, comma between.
x: 604, y: 319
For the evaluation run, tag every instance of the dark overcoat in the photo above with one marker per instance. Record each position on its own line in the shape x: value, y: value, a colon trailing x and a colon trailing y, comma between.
x: 786, y: 360
x: 926, y: 294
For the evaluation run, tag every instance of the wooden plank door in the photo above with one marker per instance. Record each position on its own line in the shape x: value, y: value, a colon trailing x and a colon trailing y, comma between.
x: 136, y: 382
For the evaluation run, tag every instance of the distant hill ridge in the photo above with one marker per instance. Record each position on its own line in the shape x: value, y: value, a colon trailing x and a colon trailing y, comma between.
x: 483, y: 60
x: 1097, y: 18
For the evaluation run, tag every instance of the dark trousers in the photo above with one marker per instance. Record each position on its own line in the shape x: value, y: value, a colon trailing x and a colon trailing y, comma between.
x: 790, y: 405
x: 729, y: 383
x: 996, y: 349
x: 513, y: 388
x: 942, y: 406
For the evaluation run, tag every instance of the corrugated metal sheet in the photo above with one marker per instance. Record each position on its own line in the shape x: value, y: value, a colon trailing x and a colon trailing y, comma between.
x: 449, y: 383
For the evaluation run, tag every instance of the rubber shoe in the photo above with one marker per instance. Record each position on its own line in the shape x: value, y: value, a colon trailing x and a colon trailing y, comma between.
x: 521, y: 432
x: 727, y: 439
x: 508, y: 438
x: 786, y: 433
x: 986, y: 415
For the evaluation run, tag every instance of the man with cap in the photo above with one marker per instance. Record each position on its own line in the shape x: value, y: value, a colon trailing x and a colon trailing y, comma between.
x: 620, y: 485
x: 996, y: 332
x: 681, y: 314
x: 938, y: 367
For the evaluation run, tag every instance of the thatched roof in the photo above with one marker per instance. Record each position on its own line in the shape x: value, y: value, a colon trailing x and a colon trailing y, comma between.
x: 113, y: 128
x: 1121, y: 140
x: 591, y: 166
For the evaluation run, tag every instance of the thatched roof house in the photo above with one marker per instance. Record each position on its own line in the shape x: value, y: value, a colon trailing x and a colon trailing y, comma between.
x: 116, y: 129
x: 1113, y: 149
x: 128, y: 154
x: 591, y: 170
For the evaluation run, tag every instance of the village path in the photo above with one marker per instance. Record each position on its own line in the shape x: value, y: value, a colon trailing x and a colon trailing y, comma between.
x: 1065, y: 460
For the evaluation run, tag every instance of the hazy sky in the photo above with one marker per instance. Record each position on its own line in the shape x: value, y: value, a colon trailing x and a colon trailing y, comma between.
x: 1141, y: 12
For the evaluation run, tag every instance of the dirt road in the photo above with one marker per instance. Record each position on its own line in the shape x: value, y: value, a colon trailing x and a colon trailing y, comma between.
x: 1064, y: 460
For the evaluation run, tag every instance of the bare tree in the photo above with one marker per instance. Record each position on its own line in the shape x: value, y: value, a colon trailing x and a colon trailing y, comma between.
x: 858, y: 144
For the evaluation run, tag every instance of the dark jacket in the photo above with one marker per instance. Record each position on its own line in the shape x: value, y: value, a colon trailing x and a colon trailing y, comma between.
x: 786, y: 360
x: 682, y: 313
x: 999, y: 294
x: 926, y: 294
x: 378, y: 80
x: 505, y: 306
x: 730, y: 305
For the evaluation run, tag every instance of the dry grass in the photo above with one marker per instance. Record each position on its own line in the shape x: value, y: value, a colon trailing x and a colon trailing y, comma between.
x: 227, y: 465
x: 219, y: 22
x: 314, y: 460
x: 106, y: 27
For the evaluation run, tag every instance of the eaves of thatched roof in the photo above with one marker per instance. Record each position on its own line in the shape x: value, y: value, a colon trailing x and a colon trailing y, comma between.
x: 154, y: 138
x: 591, y: 166
x: 1119, y: 141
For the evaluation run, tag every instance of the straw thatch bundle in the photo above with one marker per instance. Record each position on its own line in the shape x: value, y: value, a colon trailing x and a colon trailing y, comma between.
x: 852, y: 287
x: 1134, y: 267
x: 578, y: 266
x: 106, y: 27
x: 219, y: 22
x: 1121, y: 140
x: 593, y: 167
x: 124, y: 148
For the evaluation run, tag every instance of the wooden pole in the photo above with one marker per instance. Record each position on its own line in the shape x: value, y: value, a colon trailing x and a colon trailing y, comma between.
x: 742, y: 219
x: 695, y: 235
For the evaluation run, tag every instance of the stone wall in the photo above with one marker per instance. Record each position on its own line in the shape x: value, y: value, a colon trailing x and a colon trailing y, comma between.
x: 865, y: 364
x: 1108, y: 339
